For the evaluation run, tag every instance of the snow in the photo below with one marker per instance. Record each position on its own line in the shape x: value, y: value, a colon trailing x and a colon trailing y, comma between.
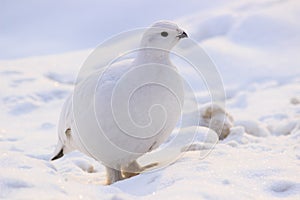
x: 254, y: 45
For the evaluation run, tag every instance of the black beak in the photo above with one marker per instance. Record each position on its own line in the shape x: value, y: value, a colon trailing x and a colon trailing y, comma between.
x: 183, y: 35
x: 59, y: 155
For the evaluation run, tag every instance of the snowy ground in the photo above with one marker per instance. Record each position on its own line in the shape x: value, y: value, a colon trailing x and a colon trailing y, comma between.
x: 254, y: 45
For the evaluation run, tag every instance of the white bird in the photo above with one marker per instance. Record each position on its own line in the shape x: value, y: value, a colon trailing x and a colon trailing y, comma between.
x: 137, y: 104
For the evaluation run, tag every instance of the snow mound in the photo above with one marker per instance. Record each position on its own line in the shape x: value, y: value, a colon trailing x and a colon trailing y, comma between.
x: 253, y: 127
x: 216, y: 118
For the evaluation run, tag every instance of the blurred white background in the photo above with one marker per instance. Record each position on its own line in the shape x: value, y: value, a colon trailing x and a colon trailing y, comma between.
x: 33, y: 28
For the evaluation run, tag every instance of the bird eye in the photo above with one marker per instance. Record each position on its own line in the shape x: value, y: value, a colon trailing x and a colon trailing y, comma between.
x: 164, y: 34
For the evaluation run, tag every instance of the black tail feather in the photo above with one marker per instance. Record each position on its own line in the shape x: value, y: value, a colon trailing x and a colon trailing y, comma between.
x: 59, y: 155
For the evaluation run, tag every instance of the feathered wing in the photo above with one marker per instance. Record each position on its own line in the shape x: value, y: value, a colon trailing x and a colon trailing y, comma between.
x: 66, y: 126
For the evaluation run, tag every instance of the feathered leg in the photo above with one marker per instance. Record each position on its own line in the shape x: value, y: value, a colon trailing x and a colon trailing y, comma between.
x: 113, y: 175
x: 133, y: 169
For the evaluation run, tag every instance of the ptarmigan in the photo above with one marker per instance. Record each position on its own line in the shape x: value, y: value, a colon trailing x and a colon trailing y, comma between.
x: 118, y: 114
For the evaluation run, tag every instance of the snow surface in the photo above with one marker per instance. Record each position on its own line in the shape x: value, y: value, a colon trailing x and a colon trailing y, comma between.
x: 254, y: 45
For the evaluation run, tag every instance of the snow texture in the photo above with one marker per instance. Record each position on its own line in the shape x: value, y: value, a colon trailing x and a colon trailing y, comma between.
x: 254, y: 45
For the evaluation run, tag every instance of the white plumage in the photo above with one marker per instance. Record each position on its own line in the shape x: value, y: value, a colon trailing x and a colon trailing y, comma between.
x: 127, y: 109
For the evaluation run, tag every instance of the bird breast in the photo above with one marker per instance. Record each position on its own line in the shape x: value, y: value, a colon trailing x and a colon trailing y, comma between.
x: 136, y: 109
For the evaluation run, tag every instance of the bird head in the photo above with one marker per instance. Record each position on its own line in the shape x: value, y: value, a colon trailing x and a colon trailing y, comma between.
x: 162, y: 35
